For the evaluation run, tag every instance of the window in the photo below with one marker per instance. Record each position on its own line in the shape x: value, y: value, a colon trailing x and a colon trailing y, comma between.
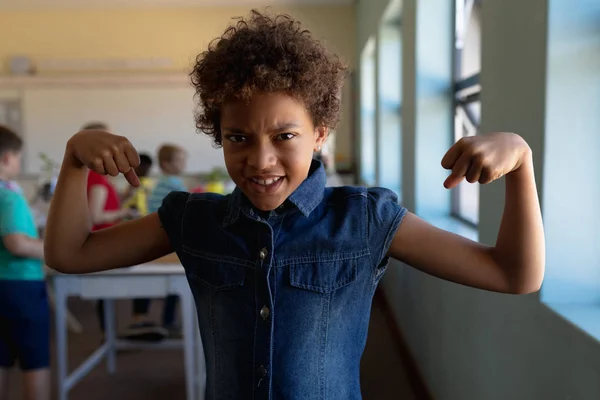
x: 571, y: 176
x: 389, y: 146
x: 467, y: 105
x: 367, y: 115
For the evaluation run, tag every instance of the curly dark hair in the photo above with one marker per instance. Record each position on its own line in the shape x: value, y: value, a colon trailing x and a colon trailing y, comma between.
x: 265, y: 53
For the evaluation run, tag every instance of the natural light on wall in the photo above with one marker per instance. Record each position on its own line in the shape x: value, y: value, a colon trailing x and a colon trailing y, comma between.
x: 571, y: 172
x: 389, y: 97
x: 465, y: 198
x: 367, y: 115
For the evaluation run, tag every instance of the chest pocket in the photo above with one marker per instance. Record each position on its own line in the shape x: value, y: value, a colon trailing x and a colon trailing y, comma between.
x: 323, y: 275
x: 215, y: 272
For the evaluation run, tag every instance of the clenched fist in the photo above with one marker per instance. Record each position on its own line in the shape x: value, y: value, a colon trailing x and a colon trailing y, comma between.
x: 485, y: 158
x: 105, y: 153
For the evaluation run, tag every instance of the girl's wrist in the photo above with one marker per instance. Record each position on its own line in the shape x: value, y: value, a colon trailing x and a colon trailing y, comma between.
x: 71, y: 159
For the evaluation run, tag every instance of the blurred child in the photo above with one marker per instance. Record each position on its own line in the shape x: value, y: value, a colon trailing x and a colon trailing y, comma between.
x: 103, y: 197
x: 142, y: 327
x: 40, y: 205
x: 172, y: 161
x: 137, y: 198
x: 105, y: 205
x: 24, y: 312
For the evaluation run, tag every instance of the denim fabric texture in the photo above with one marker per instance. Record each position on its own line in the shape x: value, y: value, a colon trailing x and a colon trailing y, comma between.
x: 284, y: 297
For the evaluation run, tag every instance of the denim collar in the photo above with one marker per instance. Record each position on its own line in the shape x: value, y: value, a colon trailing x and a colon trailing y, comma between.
x: 305, y: 198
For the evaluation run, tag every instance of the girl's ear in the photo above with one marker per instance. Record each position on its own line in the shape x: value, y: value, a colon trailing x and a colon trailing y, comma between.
x: 321, y: 134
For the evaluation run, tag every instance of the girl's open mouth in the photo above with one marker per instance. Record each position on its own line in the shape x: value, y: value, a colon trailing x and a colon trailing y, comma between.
x: 265, y: 186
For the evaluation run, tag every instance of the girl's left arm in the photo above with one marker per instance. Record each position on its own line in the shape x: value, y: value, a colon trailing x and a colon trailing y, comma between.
x: 516, y: 263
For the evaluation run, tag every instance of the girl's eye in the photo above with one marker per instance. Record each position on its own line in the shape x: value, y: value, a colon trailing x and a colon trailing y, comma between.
x: 286, y: 136
x: 236, y: 138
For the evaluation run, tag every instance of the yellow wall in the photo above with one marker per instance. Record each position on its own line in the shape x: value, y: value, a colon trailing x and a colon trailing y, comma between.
x: 175, y: 34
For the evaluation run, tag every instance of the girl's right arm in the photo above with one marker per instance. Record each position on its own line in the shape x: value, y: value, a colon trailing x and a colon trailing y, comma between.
x: 70, y: 245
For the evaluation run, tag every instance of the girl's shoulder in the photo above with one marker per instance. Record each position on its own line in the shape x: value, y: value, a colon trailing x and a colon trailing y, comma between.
x: 373, y: 194
x: 181, y: 199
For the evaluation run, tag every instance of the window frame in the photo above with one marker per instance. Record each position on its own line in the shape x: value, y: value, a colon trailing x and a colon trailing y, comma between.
x: 366, y: 101
x: 387, y: 107
x: 466, y: 91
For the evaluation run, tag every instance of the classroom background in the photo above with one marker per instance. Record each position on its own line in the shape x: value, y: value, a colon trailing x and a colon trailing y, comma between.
x: 424, y: 73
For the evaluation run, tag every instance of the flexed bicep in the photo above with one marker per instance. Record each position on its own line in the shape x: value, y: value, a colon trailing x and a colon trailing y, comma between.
x: 130, y: 243
x: 447, y: 255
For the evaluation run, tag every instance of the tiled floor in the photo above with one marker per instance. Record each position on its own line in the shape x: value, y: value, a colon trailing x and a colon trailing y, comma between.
x: 158, y: 374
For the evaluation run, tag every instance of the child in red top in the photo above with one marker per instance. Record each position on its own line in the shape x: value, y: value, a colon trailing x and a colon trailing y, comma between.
x: 103, y: 199
x: 104, y: 202
x: 105, y: 206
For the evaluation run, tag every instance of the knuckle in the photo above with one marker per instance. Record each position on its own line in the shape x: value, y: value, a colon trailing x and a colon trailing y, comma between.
x: 115, y: 148
x: 123, y: 141
x: 479, y: 159
x: 97, y: 163
x: 487, y: 176
x: 466, y: 141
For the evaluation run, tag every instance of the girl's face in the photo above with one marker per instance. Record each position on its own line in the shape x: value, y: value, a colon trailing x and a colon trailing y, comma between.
x: 268, y: 145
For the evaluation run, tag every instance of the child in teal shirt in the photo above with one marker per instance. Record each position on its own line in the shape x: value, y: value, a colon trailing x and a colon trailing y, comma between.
x: 24, y: 313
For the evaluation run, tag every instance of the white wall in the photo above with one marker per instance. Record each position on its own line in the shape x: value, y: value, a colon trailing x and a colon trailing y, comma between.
x: 148, y: 109
x: 147, y: 116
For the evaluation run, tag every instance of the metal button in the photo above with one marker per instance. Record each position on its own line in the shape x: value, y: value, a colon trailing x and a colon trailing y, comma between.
x: 265, y: 312
x: 262, y: 371
x: 263, y: 254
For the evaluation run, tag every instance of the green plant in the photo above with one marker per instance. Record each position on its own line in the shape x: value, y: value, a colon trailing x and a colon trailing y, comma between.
x: 49, y: 166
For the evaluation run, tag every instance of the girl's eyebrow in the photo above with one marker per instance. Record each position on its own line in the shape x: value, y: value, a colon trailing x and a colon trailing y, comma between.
x: 276, y: 128
x: 233, y: 130
x: 285, y: 126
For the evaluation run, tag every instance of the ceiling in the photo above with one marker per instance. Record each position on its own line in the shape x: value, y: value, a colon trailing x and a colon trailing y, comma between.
x: 97, y: 4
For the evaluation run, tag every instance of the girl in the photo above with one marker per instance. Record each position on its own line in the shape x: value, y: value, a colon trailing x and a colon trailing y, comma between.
x: 283, y: 270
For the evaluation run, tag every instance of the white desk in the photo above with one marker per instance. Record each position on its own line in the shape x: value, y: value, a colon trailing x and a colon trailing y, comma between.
x: 157, y: 279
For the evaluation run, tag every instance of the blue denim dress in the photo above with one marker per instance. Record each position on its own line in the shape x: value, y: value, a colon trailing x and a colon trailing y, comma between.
x: 284, y: 299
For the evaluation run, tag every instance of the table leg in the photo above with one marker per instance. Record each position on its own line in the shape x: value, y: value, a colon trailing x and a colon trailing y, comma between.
x: 110, y: 335
x: 187, y: 311
x: 72, y: 322
x: 60, y: 321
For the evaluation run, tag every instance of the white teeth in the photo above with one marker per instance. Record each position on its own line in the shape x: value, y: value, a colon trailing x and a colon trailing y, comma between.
x: 265, y: 182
